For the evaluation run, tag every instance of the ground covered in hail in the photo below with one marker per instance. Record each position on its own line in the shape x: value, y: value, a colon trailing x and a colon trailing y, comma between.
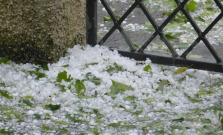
x: 96, y: 91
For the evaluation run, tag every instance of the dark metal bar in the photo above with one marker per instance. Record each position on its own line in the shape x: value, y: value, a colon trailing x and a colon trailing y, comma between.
x: 119, y: 22
x: 168, y: 60
x: 157, y: 29
x: 200, y: 35
x: 156, y: 58
x: 219, y: 5
x: 162, y: 26
x: 91, y: 29
x: 219, y: 17
x: 173, y: 14
x: 121, y: 30
x: 189, y: 18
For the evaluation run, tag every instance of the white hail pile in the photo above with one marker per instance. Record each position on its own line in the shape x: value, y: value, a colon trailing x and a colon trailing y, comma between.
x: 157, y: 104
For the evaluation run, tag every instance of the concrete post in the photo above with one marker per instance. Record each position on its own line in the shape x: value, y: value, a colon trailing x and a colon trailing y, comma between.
x: 40, y: 31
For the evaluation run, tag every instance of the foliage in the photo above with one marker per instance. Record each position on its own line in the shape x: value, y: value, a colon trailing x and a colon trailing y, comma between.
x: 148, y: 68
x: 80, y: 88
x: 26, y: 102
x: 180, y: 70
x: 52, y: 107
x: 63, y: 76
x: 118, y: 87
x: 38, y: 74
x: 92, y: 78
x: 5, y: 132
x: 191, y: 6
x: 162, y: 83
x: 5, y: 94
x: 4, y: 61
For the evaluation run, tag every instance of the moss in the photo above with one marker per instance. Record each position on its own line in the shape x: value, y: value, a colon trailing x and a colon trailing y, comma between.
x: 40, y: 31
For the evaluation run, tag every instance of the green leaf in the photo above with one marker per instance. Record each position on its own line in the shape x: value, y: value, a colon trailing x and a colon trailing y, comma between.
x: 28, y: 96
x: 128, y: 127
x: 121, y: 106
x: 214, y: 108
x: 62, y: 87
x: 136, y: 46
x: 190, y: 75
x: 194, y: 100
x: 94, y: 131
x: 118, y: 87
x: 5, y: 132
x: 5, y: 94
x: 205, y: 120
x: 162, y: 83
x: 149, y: 101
x: 118, y: 17
x: 75, y: 119
x: 155, y: 124
x: 180, y: 70
x: 80, y: 88
x: 168, y: 101
x: 67, y: 65
x: 170, y: 36
x: 45, y: 67
x: 179, y: 120
x: 181, y: 79
x: 199, y: 18
x: 195, y: 56
x: 84, y: 97
x: 98, y: 114
x: 61, y: 122
x: 191, y: 6
x: 38, y: 74
x: 176, y: 127
x: 64, y: 130
x: 63, y: 76
x: 4, y: 61
x: 130, y: 98
x: 27, y: 102
x: 137, y: 112
x: 148, y: 68
x: 107, y: 18
x: 110, y: 68
x: 117, y: 66
x: 161, y: 110
x: 45, y: 128
x: 93, y: 63
x: 167, y: 13
x: 92, y: 78
x: 10, y: 113
x: 202, y: 92
x: 115, y: 125
x: 96, y: 93
x: 52, y: 107
x: 37, y: 116
x: 2, y: 84
x: 47, y: 116
x: 143, y: 119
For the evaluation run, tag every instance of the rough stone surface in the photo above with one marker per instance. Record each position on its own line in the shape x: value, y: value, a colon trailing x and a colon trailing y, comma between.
x: 40, y: 31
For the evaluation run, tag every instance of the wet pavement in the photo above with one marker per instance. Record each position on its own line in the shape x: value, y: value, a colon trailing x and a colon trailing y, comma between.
x: 135, y: 27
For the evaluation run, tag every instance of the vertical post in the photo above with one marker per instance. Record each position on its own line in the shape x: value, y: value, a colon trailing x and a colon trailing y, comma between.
x: 91, y: 9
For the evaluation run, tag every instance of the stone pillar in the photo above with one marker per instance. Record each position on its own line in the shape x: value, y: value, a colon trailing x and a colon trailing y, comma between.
x: 40, y: 31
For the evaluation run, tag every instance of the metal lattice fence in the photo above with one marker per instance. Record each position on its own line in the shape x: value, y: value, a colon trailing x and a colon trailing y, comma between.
x: 139, y: 54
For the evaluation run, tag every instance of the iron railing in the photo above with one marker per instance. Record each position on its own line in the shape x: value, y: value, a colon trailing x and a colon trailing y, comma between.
x: 138, y: 54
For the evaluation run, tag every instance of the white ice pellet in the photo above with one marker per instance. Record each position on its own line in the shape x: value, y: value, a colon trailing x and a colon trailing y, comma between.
x: 30, y: 112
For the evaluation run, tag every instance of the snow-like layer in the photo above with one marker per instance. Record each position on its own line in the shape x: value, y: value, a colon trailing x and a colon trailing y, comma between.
x: 160, y: 111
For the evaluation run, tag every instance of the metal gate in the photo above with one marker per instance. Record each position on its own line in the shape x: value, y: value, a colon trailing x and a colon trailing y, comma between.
x: 175, y: 59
